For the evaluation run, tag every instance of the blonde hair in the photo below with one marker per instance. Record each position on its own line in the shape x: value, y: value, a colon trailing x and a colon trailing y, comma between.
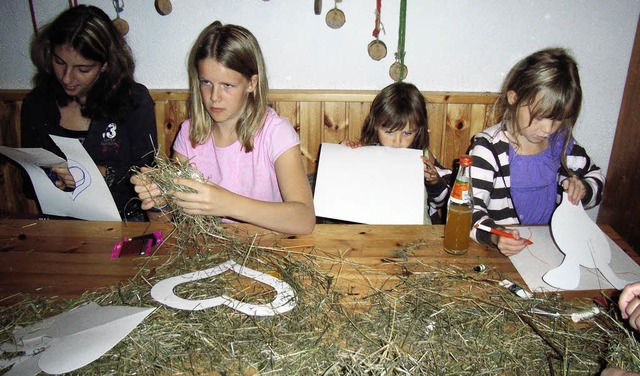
x: 548, y: 82
x: 235, y: 48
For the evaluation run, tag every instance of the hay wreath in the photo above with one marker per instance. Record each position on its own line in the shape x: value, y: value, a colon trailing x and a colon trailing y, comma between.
x: 443, y: 322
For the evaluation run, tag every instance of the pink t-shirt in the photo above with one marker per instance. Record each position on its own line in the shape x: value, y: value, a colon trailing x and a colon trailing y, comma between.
x: 251, y: 174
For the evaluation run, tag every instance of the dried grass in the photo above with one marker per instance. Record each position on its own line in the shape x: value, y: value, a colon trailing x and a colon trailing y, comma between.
x: 445, y: 321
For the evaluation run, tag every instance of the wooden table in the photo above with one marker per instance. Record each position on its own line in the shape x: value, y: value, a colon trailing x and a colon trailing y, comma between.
x: 64, y: 258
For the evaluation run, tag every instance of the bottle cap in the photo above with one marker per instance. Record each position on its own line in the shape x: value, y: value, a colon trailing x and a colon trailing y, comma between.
x: 466, y: 160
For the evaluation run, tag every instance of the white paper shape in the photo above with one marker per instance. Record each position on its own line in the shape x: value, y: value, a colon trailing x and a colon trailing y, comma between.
x: 38, y: 156
x: 370, y: 184
x: 537, y: 259
x: 583, y: 244
x: 284, y: 301
x: 91, y: 200
x: 73, y: 339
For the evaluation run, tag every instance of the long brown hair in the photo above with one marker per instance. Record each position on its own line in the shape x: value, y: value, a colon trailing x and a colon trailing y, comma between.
x: 548, y: 82
x: 91, y: 33
x: 397, y: 105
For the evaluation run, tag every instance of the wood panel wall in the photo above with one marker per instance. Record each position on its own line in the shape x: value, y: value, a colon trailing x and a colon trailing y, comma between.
x: 620, y: 205
x: 318, y: 116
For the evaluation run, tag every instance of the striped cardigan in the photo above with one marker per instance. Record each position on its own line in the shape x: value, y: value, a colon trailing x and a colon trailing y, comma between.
x: 492, y: 201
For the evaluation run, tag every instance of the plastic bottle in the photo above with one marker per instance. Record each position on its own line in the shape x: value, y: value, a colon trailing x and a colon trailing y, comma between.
x: 459, y: 211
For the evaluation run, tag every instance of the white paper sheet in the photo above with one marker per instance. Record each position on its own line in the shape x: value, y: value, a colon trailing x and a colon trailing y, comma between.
x: 90, y: 200
x: 72, y: 339
x: 537, y: 259
x: 370, y: 184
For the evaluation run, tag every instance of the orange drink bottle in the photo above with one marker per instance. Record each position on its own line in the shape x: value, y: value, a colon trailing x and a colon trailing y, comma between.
x: 459, y: 210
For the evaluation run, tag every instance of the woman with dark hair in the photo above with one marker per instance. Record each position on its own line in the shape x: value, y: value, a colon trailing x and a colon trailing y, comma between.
x: 85, y: 90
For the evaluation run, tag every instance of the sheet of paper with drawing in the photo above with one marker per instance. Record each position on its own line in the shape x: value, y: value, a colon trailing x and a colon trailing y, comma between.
x: 90, y: 200
x: 573, y: 254
x: 370, y: 184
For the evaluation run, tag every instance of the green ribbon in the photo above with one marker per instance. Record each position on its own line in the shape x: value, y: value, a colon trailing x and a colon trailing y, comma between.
x: 401, y: 37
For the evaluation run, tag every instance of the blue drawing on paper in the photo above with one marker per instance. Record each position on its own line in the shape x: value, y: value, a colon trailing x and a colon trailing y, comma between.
x: 81, y: 176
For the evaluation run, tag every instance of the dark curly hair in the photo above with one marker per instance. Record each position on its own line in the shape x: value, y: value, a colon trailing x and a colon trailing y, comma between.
x: 91, y: 33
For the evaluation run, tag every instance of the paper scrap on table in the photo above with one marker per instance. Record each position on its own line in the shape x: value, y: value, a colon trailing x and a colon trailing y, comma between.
x: 72, y: 339
x: 91, y: 200
x: 370, y: 184
x: 284, y: 301
x: 537, y: 259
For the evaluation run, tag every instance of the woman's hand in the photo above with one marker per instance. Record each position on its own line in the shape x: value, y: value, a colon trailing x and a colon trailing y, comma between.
x: 508, y: 246
x: 148, y: 192
x: 65, y: 179
x: 430, y: 173
x: 576, y: 189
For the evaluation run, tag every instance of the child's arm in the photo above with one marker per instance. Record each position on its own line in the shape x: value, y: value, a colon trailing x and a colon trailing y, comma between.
x: 295, y: 215
x: 438, y: 190
x: 489, y: 187
x: 589, y: 174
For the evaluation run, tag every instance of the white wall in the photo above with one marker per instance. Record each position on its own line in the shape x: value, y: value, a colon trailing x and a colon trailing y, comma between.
x: 451, y: 45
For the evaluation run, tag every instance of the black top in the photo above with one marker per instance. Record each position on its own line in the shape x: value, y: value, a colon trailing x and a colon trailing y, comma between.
x: 119, y: 146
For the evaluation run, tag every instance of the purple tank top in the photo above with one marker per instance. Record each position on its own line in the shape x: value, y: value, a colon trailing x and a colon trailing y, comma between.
x: 534, y: 183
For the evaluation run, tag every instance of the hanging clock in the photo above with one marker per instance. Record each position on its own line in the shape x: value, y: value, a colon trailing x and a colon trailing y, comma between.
x: 335, y: 17
x: 121, y: 25
x: 394, y: 71
x: 377, y: 49
x: 163, y: 7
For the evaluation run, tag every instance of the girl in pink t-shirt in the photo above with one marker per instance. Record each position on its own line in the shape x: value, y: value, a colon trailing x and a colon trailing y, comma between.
x: 249, y: 155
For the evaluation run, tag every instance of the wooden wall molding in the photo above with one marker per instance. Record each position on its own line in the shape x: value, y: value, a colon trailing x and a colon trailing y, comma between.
x: 318, y: 116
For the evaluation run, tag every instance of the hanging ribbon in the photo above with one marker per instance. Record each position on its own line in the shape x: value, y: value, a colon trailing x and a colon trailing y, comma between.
x: 119, y: 8
x: 34, y: 22
x: 376, y: 29
x: 401, y: 30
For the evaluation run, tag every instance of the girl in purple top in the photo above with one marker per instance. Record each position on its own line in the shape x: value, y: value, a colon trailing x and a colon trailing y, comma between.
x: 250, y: 156
x: 522, y: 165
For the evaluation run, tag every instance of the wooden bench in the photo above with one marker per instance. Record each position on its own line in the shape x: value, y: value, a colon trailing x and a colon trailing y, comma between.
x: 318, y: 116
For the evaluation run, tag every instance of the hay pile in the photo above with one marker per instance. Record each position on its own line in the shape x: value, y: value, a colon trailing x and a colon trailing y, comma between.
x: 428, y: 324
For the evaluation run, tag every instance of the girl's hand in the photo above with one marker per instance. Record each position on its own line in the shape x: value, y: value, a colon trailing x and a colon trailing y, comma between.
x: 65, y: 179
x: 629, y: 303
x: 209, y: 198
x: 351, y: 144
x: 430, y: 173
x: 148, y: 192
x: 508, y: 246
x: 575, y: 188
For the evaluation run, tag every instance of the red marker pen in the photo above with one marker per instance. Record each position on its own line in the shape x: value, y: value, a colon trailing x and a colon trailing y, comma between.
x: 499, y: 232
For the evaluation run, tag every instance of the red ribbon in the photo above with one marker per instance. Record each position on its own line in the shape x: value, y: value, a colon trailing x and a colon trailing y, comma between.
x: 376, y: 30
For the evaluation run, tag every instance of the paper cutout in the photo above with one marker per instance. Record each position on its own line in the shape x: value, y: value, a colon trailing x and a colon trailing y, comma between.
x: 284, y: 301
x: 90, y: 200
x: 537, y: 259
x: 583, y: 243
x: 72, y: 339
x: 370, y: 184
